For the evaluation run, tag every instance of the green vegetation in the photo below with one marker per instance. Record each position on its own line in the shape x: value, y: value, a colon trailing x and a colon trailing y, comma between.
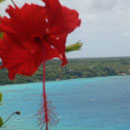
x: 77, y: 68
x: 1, y: 120
x: 0, y: 97
x: 74, y: 47
x: 1, y: 35
x: 1, y: 1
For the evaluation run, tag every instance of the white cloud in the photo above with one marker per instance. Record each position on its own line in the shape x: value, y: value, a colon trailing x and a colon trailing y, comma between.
x: 5, y: 4
x: 125, y: 34
x: 105, y: 28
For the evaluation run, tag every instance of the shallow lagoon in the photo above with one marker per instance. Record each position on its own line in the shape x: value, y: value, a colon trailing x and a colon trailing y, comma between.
x: 81, y: 104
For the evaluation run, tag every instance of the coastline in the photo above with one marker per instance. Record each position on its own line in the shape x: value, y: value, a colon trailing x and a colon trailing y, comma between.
x: 53, y: 81
x: 77, y: 68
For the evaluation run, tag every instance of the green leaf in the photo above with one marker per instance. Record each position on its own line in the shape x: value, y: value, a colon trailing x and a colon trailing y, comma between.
x: 1, y: 1
x: 1, y: 35
x: 74, y: 47
x: 1, y: 121
x: 0, y: 97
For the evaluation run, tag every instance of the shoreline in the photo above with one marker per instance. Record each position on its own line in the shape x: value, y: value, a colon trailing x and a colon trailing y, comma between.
x: 65, y: 80
x: 77, y: 68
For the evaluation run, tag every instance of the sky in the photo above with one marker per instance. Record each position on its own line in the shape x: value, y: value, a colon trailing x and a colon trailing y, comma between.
x: 105, y: 28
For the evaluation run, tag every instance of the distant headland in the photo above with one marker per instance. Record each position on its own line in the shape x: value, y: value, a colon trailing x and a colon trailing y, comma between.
x: 77, y: 68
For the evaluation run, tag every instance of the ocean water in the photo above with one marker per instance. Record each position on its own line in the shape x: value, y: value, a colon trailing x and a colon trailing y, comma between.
x: 101, y: 103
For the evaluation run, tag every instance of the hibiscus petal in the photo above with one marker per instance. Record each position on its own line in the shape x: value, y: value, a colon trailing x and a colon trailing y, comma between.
x: 24, y: 21
x: 18, y: 60
x: 58, y: 42
x: 62, y: 19
x: 32, y: 28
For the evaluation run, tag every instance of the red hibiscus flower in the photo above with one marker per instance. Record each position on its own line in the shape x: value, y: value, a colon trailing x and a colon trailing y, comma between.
x: 33, y: 34
x: 33, y: 31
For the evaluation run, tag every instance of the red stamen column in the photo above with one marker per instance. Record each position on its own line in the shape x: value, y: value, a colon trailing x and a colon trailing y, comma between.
x: 45, y: 106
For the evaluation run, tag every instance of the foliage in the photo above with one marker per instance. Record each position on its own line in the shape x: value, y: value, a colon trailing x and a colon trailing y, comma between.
x: 0, y: 97
x: 74, y: 47
x: 1, y: 35
x: 77, y: 68
x: 1, y: 1
x: 1, y: 121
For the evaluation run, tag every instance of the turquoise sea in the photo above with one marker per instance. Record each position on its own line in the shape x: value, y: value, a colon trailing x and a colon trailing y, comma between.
x: 101, y: 103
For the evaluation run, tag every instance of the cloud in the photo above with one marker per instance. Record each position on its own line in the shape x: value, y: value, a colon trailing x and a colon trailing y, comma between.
x: 105, y: 28
x: 5, y: 4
